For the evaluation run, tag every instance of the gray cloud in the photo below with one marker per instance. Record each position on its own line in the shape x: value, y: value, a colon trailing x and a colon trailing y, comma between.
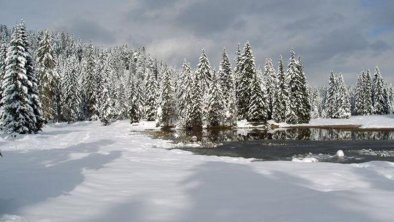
x: 344, y: 36
x: 88, y: 31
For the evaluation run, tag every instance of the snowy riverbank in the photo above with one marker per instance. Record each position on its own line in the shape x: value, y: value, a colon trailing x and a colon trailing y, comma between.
x: 384, y: 122
x: 87, y: 172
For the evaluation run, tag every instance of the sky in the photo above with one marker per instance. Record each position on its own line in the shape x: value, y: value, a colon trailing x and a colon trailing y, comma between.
x: 345, y: 36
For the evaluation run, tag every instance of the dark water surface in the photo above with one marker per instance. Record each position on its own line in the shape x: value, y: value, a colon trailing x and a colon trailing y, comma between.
x: 319, y: 144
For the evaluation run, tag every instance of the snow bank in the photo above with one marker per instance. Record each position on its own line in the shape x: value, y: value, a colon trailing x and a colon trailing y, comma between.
x: 88, y: 172
x: 245, y: 124
x: 305, y: 160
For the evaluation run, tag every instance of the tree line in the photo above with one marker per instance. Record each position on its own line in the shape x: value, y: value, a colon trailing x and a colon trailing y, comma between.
x: 52, y: 77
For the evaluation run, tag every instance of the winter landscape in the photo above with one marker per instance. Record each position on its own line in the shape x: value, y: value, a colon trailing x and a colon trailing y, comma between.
x: 196, y: 110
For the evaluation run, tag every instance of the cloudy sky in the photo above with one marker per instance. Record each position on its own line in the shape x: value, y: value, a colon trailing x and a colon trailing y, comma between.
x: 346, y: 36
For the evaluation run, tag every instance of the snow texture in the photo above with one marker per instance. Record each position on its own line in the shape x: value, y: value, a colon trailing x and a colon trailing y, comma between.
x: 88, y: 172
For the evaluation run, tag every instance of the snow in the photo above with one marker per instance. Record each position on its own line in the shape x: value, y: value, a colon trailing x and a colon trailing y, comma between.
x: 245, y: 124
x: 305, y: 160
x: 340, y: 154
x: 88, y: 172
x: 364, y: 122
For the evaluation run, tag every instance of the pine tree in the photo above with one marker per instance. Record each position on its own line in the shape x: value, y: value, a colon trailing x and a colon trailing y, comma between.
x: 315, y: 101
x: 379, y: 98
x: 71, y: 98
x: 298, y: 107
x: 247, y: 75
x: 363, y: 103
x: 294, y: 100
x: 48, y: 77
x: 33, y: 89
x: 167, y: 110
x: 204, y: 72
x: 281, y: 93
x: 271, y: 85
x: 141, y: 64
x: 226, y: 80
x: 331, y: 96
x: 368, y: 93
x: 105, y: 105
x: 151, y: 89
x: 238, y: 67
x: 258, y: 107
x: 227, y: 83
x: 3, y: 55
x: 194, y: 115
x: 134, y: 106
x: 390, y: 99
x: 342, y: 99
x: 184, y: 93
x: 18, y: 115
x: 89, y: 99
x: 216, y: 106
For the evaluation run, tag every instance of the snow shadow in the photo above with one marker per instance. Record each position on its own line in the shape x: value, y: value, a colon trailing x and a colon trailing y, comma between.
x: 379, y: 181
x: 57, y: 132
x: 132, y: 210
x: 31, y: 177
x: 227, y: 192
x: 233, y: 192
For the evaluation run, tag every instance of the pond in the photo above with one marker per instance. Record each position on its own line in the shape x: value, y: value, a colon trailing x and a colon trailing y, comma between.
x: 313, y: 144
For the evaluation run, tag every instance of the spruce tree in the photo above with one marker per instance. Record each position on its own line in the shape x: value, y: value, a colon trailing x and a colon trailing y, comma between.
x: 331, y: 96
x: 71, y: 97
x: 360, y: 96
x: 89, y: 99
x: 247, y: 75
x: 342, y: 99
x: 298, y: 110
x: 390, y: 99
x: 18, y: 115
x: 293, y: 84
x: 48, y: 77
x: 105, y: 108
x: 379, y: 98
x: 368, y: 93
x: 194, y: 115
x: 134, y: 106
x: 227, y: 83
x: 258, y: 106
x: 3, y: 55
x: 204, y: 72
x: 184, y: 93
x: 271, y: 85
x: 151, y: 89
x: 281, y: 93
x: 315, y: 101
x: 216, y: 106
x: 238, y: 66
x: 226, y: 79
x: 167, y: 110
x: 33, y: 89
x: 363, y: 103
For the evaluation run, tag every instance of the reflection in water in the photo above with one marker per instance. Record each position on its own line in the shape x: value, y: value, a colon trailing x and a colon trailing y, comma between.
x: 238, y: 135
x: 319, y: 144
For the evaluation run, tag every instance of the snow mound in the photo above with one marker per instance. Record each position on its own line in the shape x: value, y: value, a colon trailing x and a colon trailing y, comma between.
x: 305, y: 160
x: 340, y: 154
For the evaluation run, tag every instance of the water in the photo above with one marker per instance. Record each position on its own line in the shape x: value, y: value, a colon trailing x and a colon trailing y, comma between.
x: 317, y: 144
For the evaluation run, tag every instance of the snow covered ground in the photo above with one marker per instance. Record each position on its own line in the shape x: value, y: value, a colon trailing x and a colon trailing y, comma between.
x: 87, y: 172
x: 364, y: 122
